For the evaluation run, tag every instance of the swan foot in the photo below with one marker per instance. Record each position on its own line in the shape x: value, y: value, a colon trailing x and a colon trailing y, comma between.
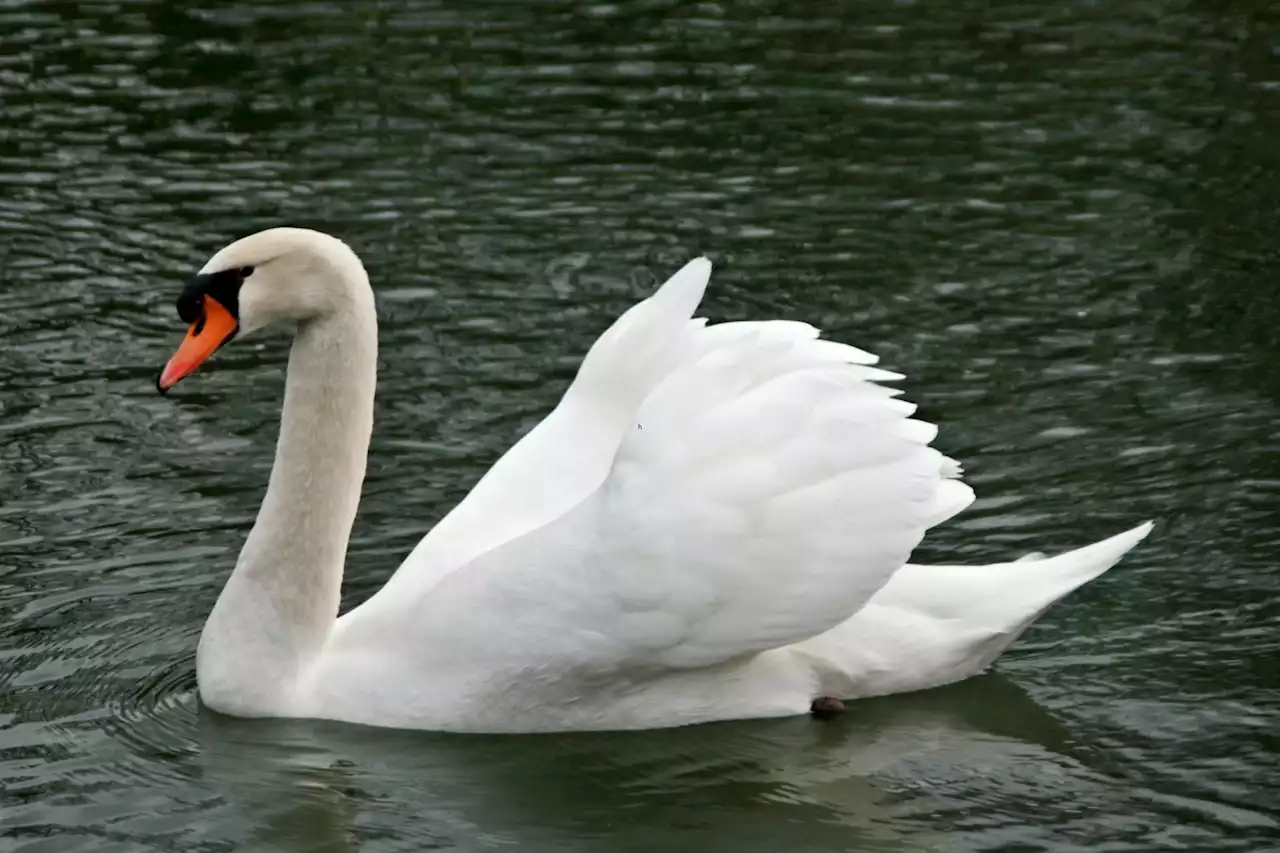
x: 826, y: 708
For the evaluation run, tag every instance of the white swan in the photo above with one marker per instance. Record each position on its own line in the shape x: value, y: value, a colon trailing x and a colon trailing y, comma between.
x: 712, y: 524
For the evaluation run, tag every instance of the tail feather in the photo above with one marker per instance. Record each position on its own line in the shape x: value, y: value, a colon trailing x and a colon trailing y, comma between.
x: 934, y: 625
x: 1005, y: 592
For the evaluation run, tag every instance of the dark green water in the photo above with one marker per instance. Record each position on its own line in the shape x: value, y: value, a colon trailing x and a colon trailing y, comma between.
x: 1060, y: 219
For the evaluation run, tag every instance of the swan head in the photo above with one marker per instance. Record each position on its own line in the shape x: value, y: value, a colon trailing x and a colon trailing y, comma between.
x: 277, y: 275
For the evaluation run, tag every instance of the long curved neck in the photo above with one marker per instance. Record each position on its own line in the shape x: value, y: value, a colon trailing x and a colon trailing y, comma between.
x: 281, y: 601
x: 311, y: 501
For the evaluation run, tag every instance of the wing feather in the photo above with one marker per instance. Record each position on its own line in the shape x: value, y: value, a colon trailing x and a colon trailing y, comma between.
x: 767, y: 489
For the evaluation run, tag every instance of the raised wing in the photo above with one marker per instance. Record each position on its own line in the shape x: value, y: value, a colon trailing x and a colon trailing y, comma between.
x: 567, y: 455
x: 765, y: 491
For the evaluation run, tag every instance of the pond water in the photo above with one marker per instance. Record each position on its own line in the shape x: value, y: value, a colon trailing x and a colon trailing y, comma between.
x: 1059, y: 219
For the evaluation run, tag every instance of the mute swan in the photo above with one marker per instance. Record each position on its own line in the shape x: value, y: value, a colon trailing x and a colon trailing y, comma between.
x: 713, y: 523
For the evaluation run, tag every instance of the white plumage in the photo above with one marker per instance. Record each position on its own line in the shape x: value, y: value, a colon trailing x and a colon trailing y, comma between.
x: 713, y: 523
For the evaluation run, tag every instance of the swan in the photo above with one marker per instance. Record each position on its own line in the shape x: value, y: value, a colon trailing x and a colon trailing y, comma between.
x: 713, y: 523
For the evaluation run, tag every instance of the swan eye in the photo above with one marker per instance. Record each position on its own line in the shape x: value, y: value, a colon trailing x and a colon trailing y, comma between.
x: 245, y: 272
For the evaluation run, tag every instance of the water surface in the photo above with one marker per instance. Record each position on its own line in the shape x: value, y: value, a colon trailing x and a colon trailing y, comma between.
x: 1059, y: 219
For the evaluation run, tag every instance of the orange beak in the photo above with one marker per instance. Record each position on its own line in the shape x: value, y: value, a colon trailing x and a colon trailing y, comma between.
x: 213, y: 328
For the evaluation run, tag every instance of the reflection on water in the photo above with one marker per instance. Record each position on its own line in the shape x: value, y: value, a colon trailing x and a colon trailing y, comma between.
x: 1058, y: 220
x: 747, y: 786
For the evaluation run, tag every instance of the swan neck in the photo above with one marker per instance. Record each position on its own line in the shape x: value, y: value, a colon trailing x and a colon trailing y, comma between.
x: 304, y: 524
x: 279, y: 605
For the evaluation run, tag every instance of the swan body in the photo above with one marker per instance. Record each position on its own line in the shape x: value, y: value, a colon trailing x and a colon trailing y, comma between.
x: 713, y: 523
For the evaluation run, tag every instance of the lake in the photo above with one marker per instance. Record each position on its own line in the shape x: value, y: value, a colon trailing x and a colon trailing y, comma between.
x: 1060, y: 220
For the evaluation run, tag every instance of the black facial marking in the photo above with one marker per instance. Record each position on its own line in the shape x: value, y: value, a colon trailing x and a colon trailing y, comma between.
x: 223, y: 286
